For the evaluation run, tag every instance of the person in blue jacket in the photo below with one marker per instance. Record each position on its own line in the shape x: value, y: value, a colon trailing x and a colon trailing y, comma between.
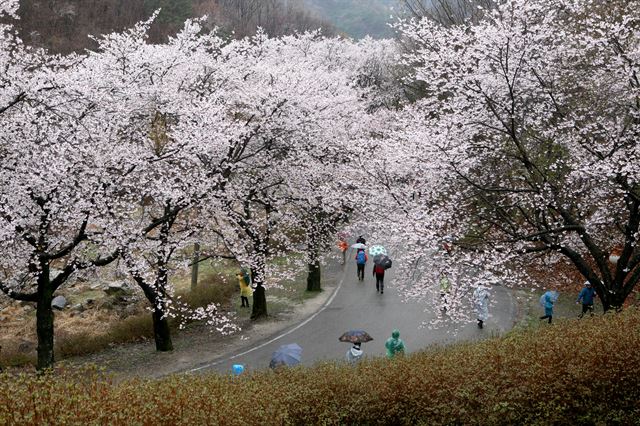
x: 547, y: 300
x: 586, y: 297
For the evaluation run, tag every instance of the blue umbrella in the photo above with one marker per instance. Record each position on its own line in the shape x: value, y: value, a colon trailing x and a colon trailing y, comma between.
x: 286, y: 355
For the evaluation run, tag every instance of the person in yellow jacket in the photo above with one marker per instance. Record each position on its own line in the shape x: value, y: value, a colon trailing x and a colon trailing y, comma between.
x: 245, y: 290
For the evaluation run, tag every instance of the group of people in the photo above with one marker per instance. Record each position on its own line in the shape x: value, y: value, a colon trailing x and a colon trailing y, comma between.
x: 394, y: 346
x: 361, y: 259
x: 480, y: 299
x: 586, y: 297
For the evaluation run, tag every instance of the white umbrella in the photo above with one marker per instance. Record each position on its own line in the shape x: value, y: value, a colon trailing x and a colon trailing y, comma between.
x: 359, y: 246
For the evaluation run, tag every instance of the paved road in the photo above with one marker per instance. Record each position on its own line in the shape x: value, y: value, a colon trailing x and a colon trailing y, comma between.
x: 356, y: 304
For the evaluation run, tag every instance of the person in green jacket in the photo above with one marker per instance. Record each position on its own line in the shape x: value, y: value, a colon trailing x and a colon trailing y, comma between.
x: 394, y: 344
x: 445, y: 289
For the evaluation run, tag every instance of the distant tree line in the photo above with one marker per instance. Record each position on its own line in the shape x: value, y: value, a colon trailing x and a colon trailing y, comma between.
x: 65, y: 26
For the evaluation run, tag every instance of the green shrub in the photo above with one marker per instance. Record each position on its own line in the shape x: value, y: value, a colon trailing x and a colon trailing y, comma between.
x: 575, y: 372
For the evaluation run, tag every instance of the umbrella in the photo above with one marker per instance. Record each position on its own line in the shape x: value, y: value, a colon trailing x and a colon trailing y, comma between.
x: 359, y: 246
x: 286, y: 355
x: 382, y: 260
x: 376, y: 250
x: 355, y: 336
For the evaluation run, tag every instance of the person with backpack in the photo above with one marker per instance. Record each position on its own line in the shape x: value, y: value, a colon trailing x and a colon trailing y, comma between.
x: 586, y: 296
x: 378, y: 272
x: 361, y: 261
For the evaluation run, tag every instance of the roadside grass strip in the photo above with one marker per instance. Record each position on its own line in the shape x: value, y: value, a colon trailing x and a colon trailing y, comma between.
x: 572, y: 372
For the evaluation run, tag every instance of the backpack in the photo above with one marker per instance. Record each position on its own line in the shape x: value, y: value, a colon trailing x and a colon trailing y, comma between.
x: 361, y: 258
x: 386, y: 263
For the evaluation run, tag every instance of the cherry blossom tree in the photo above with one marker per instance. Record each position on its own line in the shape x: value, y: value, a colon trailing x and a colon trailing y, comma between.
x: 302, y: 110
x: 525, y: 148
x: 170, y: 172
x: 55, y: 181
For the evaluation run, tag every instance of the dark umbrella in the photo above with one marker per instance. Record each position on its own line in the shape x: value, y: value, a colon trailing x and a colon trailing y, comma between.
x: 382, y: 259
x: 355, y: 336
x: 286, y: 355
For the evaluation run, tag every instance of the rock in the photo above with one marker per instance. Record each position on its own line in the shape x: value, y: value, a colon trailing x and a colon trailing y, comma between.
x: 78, y: 307
x: 53, y: 273
x: 106, y: 304
x: 130, y: 310
x: 59, y: 302
x: 96, y: 285
x: 118, y: 289
x: 26, y: 347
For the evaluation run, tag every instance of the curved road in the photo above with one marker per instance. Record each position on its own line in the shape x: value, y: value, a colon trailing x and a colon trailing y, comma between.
x: 356, y: 304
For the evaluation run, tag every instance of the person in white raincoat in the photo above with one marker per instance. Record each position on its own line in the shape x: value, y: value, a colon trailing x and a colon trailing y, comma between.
x: 354, y: 355
x: 481, y: 304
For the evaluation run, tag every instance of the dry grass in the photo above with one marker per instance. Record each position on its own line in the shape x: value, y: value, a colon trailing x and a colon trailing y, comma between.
x: 574, y: 372
x: 96, y: 329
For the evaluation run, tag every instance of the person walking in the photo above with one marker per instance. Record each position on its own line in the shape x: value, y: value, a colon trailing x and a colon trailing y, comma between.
x: 361, y: 261
x: 378, y: 272
x: 354, y: 355
x: 245, y: 289
x: 394, y: 344
x: 361, y: 240
x: 547, y: 300
x: 481, y: 303
x: 445, y: 288
x: 343, y: 246
x: 586, y: 296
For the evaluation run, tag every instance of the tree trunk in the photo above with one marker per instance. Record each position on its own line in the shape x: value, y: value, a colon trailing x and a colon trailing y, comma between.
x: 314, y: 276
x: 614, y: 301
x: 259, y: 309
x: 194, y: 266
x: 313, y: 266
x: 44, y: 321
x: 161, y: 332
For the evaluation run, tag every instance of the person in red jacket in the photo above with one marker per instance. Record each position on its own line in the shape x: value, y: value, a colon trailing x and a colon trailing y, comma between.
x: 378, y: 272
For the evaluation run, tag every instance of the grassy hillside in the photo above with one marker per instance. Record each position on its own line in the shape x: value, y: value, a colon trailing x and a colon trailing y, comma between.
x: 357, y: 18
x: 574, y: 372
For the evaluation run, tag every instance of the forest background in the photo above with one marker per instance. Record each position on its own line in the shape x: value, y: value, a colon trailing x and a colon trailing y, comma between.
x: 62, y: 26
